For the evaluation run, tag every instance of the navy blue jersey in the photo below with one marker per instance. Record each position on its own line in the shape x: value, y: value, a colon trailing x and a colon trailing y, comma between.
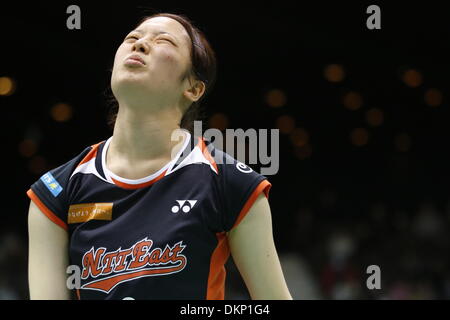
x: 159, y: 237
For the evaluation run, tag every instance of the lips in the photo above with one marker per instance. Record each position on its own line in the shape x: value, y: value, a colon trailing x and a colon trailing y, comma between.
x: 134, y: 59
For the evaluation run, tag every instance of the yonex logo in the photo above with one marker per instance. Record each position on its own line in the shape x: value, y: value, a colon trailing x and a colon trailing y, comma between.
x: 184, y: 205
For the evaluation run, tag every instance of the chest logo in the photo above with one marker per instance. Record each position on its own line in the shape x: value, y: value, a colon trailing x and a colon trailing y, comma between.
x: 183, y: 206
x: 110, y: 268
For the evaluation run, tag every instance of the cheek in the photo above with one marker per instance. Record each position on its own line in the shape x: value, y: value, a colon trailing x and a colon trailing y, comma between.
x: 119, y: 55
x: 116, y: 62
x: 170, y: 59
x: 117, y: 70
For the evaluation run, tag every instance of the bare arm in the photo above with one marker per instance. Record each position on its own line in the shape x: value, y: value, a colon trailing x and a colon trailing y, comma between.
x: 254, y: 253
x: 48, y: 257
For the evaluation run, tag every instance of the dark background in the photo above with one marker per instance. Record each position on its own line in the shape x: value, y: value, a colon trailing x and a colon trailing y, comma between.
x: 337, y: 206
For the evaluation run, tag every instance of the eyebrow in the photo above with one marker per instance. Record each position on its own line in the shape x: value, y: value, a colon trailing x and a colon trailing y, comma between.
x: 155, y: 33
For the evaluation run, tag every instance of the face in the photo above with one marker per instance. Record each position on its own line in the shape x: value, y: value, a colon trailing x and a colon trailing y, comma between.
x: 152, y: 61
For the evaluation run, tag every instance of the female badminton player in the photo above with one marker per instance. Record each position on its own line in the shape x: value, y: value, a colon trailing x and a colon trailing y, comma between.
x: 141, y: 216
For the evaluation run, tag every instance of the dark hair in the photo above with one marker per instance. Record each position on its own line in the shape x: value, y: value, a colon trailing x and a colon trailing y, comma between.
x: 203, y: 66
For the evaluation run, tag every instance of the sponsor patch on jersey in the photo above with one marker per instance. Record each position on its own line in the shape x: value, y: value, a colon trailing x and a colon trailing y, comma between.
x: 83, y: 212
x: 105, y: 269
x: 51, y: 184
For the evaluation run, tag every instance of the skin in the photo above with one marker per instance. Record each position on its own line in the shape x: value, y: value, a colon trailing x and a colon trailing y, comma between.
x: 152, y: 99
x: 254, y: 253
x: 48, y: 257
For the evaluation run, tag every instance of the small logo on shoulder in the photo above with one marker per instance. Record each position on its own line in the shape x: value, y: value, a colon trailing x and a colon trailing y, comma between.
x: 52, y: 185
x: 183, y: 205
x: 242, y: 167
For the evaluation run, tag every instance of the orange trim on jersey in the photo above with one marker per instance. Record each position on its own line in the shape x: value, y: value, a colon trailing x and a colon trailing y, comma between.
x: 201, y: 144
x: 91, y: 154
x: 263, y: 186
x: 53, y: 217
x: 217, y: 272
x: 139, y: 185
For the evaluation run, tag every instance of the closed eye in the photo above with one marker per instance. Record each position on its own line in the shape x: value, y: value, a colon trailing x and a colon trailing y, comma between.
x: 135, y: 38
x: 132, y: 37
x: 166, y: 39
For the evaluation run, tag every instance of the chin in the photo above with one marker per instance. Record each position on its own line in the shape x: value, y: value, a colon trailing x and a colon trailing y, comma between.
x: 129, y: 79
x: 129, y: 86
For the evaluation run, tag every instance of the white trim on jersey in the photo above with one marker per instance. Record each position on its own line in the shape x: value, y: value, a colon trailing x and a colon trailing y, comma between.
x: 109, y: 174
x: 195, y: 156
x: 87, y: 168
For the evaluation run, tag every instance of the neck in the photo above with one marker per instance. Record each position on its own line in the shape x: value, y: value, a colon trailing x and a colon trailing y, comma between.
x: 140, y: 135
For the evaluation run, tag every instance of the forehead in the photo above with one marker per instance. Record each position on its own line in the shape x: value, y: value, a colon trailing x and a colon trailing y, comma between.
x: 165, y: 24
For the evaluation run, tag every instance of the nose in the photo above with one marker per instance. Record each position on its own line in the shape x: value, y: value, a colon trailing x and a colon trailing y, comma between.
x: 141, y: 45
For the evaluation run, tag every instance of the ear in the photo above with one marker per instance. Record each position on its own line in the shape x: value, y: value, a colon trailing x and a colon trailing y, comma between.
x: 195, y: 90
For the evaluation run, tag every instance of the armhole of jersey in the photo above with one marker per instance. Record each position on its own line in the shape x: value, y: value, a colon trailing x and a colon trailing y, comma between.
x: 48, y: 213
x: 217, y: 272
x: 263, y: 186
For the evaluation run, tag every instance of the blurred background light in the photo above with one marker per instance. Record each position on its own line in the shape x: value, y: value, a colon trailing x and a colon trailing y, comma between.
x: 334, y: 73
x: 299, y: 137
x: 276, y: 98
x: 27, y: 148
x: 433, y: 97
x: 61, y: 112
x: 352, y: 100
x: 374, y: 117
x: 402, y: 142
x: 412, y: 78
x: 37, y: 165
x: 359, y: 137
x: 219, y: 121
x: 7, y: 86
x: 303, y: 152
x: 285, y: 124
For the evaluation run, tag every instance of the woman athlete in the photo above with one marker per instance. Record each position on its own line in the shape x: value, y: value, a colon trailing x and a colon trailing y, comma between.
x: 142, y: 216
